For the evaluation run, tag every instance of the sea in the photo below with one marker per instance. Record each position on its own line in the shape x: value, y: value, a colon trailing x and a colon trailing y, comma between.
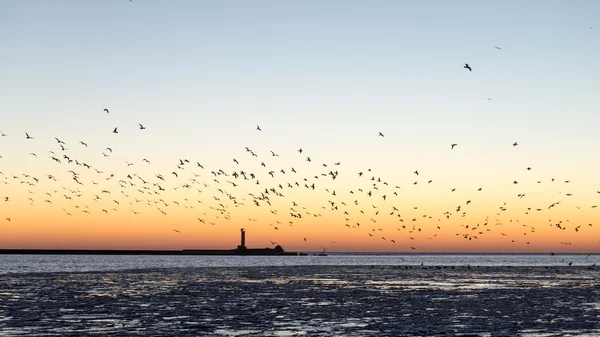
x: 20, y: 264
x: 340, y: 294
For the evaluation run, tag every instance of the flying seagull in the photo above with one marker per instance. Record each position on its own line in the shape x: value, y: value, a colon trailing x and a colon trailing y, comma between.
x: 452, y: 146
x: 466, y: 66
x: 115, y: 130
x: 106, y: 110
x: 27, y: 136
x: 381, y: 134
x: 142, y: 127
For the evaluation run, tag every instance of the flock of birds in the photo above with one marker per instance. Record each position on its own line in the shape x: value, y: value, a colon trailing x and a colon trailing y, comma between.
x: 211, y: 194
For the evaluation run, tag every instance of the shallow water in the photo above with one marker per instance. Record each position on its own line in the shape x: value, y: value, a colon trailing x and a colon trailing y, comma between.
x: 79, y: 263
x: 305, y: 301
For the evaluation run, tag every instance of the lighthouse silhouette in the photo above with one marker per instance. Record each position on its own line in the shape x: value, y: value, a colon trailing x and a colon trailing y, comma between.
x: 243, y: 239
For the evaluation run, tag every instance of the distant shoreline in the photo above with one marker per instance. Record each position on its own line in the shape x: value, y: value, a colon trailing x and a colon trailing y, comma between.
x: 184, y: 252
x: 253, y: 251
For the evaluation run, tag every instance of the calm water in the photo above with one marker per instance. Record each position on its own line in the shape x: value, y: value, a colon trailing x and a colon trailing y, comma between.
x: 80, y: 263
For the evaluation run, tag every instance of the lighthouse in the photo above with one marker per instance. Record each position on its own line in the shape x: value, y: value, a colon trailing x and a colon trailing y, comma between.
x: 243, y: 239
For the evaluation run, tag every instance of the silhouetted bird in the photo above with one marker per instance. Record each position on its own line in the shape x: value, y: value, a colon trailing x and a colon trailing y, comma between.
x: 466, y: 66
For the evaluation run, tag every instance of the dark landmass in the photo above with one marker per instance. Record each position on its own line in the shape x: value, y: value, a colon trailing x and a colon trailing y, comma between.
x: 238, y: 251
x: 306, y: 300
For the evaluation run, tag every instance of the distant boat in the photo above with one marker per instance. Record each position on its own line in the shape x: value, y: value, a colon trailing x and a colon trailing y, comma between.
x: 323, y: 253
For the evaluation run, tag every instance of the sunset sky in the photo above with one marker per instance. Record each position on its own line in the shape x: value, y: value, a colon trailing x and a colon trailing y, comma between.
x: 322, y: 76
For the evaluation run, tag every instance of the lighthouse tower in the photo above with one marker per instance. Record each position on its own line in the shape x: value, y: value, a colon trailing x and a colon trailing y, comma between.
x: 243, y: 239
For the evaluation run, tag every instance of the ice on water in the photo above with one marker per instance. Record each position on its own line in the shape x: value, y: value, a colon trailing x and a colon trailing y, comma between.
x: 304, y: 301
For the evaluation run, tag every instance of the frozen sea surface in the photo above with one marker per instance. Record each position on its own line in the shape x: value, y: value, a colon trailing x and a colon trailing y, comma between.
x: 305, y: 301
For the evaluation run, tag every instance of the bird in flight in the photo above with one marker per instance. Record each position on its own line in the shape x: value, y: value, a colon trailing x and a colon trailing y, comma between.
x: 497, y: 47
x: 258, y: 128
x: 115, y: 130
x: 27, y: 136
x: 106, y: 110
x: 2, y: 133
x: 515, y: 144
x: 141, y: 127
x: 381, y: 134
x: 452, y: 146
x: 466, y: 66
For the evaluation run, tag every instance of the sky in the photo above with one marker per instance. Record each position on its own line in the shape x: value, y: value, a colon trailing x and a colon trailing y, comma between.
x: 326, y: 77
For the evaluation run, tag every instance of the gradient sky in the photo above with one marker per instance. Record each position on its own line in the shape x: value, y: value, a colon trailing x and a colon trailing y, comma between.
x: 324, y: 76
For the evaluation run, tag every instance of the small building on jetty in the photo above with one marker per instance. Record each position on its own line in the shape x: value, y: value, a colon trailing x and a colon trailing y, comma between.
x: 240, y: 250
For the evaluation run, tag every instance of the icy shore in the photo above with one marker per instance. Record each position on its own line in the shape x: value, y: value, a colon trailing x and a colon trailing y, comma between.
x: 312, y: 301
